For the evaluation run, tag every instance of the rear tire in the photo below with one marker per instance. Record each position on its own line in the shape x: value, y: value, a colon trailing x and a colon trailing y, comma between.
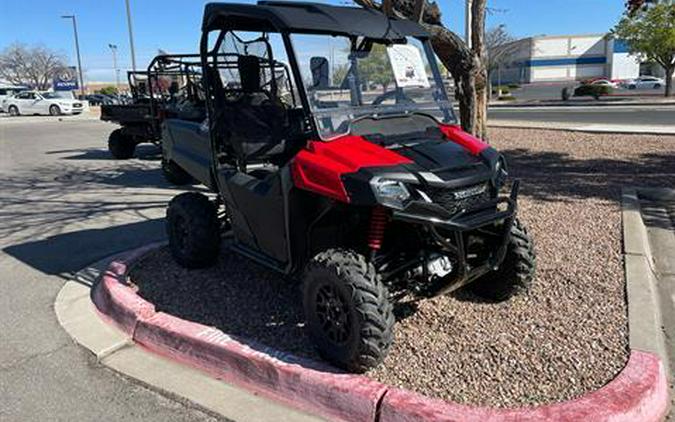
x: 54, y: 110
x: 193, y: 229
x: 120, y: 145
x: 347, y: 309
x: 13, y: 111
x: 175, y: 174
x: 515, y: 274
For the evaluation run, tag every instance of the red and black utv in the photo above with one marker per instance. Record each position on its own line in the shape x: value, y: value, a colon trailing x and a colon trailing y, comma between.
x: 335, y: 156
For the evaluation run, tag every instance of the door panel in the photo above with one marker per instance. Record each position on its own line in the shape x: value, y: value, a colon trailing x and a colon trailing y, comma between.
x: 188, y: 144
x: 258, y: 213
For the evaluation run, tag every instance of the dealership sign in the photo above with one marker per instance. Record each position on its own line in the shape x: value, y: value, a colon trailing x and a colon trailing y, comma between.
x: 66, y: 79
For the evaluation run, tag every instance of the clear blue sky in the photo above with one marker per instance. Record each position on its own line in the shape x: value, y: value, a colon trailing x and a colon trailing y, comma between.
x: 173, y: 25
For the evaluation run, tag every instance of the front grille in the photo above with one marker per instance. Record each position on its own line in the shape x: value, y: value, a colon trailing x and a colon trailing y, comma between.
x: 453, y: 200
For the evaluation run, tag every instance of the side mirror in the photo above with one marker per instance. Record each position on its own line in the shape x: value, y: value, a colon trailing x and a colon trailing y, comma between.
x: 320, y: 72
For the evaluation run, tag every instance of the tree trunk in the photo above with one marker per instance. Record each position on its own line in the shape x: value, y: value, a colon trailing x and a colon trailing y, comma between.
x: 669, y: 81
x: 460, y: 62
x: 481, y: 74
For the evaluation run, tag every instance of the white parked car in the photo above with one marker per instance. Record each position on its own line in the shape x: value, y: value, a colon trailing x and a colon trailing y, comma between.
x: 33, y: 102
x: 6, y: 93
x: 644, y: 82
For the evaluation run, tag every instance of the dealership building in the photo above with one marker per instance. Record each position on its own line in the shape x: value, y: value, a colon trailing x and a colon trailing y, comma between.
x: 569, y: 58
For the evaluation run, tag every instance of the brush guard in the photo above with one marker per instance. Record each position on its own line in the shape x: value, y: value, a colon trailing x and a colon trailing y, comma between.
x: 453, y: 229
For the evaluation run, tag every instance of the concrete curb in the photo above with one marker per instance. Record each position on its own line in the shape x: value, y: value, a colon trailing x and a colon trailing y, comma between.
x: 115, y: 350
x: 301, y: 383
x: 644, y: 316
x: 639, y: 392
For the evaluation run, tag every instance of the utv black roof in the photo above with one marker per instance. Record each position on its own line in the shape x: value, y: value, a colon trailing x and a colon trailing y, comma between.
x: 280, y: 16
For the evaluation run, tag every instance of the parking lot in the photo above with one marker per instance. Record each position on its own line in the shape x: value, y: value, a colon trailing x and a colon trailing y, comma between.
x: 64, y: 204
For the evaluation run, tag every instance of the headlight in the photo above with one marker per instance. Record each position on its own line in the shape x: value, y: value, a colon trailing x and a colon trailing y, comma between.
x: 390, y: 193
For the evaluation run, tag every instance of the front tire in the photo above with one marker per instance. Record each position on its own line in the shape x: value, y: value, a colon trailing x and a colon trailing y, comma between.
x: 516, y: 272
x: 175, y: 174
x: 13, y: 111
x: 347, y: 309
x: 193, y: 229
x: 54, y: 110
x: 120, y: 145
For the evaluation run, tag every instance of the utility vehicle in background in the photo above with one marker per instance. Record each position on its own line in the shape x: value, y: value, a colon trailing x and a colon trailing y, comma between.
x: 169, y: 82
x: 335, y: 155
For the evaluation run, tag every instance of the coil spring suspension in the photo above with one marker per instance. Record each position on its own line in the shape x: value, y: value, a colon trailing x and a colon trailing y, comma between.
x: 378, y: 223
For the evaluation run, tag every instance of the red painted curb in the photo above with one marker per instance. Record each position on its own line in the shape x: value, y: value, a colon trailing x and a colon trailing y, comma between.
x: 115, y: 299
x: 638, y: 393
x: 299, y: 382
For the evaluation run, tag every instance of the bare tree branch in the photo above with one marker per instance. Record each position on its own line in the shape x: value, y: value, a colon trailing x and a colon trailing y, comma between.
x: 418, y: 11
x: 30, y: 66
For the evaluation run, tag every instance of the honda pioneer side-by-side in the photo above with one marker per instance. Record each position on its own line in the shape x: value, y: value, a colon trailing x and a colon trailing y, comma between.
x: 335, y: 155
x: 169, y: 82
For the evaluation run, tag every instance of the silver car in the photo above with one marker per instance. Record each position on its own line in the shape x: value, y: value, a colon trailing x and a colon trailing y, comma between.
x: 646, y: 82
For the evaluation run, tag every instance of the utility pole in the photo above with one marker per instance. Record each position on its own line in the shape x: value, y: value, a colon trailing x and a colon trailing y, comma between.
x: 77, y: 50
x: 113, y: 48
x: 131, y: 37
x: 467, y: 23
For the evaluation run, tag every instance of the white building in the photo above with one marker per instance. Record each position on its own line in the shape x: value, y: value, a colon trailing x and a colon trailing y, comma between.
x: 569, y: 57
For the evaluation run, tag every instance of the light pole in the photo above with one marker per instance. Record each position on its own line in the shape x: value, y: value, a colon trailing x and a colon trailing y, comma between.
x: 113, y: 48
x: 131, y: 37
x: 467, y: 22
x: 77, y: 50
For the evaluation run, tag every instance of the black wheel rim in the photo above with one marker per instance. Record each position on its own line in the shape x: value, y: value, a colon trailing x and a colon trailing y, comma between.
x: 180, y: 232
x: 333, y: 315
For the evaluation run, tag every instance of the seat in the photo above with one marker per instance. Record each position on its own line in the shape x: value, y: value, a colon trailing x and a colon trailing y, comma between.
x: 257, y: 121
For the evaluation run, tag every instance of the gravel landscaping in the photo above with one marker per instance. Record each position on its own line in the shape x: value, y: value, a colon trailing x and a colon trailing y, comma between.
x: 567, y: 337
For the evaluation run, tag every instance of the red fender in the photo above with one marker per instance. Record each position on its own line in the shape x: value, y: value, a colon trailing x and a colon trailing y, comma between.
x: 455, y: 134
x: 319, y: 167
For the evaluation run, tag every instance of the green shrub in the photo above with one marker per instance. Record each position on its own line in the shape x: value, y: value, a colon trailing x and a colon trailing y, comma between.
x: 514, y: 86
x: 505, y: 90
x: 108, y: 90
x: 506, y: 98
x: 595, y: 91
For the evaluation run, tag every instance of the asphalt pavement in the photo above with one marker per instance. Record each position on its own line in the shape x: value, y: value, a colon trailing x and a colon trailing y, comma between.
x: 64, y: 203
x: 615, y: 115
x: 553, y: 91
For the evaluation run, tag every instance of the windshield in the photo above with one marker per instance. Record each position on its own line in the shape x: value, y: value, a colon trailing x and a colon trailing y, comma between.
x: 362, y: 78
x: 50, y: 95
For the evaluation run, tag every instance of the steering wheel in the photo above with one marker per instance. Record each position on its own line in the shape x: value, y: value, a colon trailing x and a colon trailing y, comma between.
x: 400, y: 96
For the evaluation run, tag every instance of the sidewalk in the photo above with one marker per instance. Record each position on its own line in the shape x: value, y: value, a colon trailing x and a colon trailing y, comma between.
x: 651, y: 237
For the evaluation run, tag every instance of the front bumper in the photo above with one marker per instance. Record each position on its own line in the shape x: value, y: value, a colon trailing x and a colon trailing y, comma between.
x: 71, y: 110
x: 449, y: 233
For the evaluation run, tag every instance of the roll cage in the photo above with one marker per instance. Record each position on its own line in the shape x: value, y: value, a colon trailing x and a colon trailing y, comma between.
x: 285, y: 19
